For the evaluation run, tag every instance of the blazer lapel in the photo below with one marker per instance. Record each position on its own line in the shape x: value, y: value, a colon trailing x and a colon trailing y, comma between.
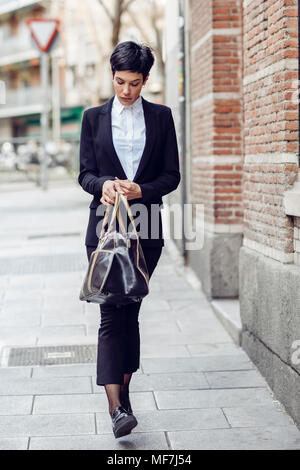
x: 108, y: 139
x: 150, y: 137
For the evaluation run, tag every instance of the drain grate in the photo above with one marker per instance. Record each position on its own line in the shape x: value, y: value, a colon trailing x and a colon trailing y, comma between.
x: 44, y: 263
x: 51, y: 355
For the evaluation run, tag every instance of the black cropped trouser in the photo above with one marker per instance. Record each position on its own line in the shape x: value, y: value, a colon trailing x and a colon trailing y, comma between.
x: 118, y: 335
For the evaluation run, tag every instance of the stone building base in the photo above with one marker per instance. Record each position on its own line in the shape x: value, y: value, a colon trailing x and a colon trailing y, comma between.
x: 216, y: 265
x: 270, y: 314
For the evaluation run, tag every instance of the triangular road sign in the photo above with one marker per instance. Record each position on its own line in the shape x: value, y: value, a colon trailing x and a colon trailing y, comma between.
x: 43, y: 31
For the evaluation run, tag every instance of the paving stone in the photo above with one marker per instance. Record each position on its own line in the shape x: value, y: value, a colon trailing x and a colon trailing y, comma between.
x: 18, y: 340
x: 92, y: 329
x: 68, y: 291
x: 235, y: 379
x: 13, y: 443
x: 151, y: 304
x: 52, y: 404
x: 213, y: 348
x: 134, y: 441
x: 16, y: 333
x: 5, y: 281
x: 91, y: 308
x: 162, y: 350
x: 41, y: 425
x: 66, y: 280
x: 21, y: 306
x: 257, y: 416
x: 172, y: 381
x: 64, y: 309
x: 227, y: 362
x: 65, y: 370
x: 69, y: 370
x: 202, y: 327
x: 211, y: 398
x: 18, y: 319
x: 71, y: 302
x: 160, y: 364
x: 164, y: 269
x: 30, y: 282
x: 175, y: 284
x: 154, y: 286
x: 260, y: 438
x: 25, y: 294
x: 179, y: 338
x: 63, y: 319
x: 8, y: 373
x: 197, y: 364
x: 155, y: 329
x: 194, y: 317
x: 15, y: 405
x: 63, y: 331
x: 155, y: 316
x: 42, y: 386
x: 182, y: 294
x: 187, y: 305
x: 61, y: 340
x: 170, y: 420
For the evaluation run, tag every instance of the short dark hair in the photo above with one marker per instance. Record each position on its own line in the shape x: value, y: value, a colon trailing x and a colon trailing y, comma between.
x: 131, y: 56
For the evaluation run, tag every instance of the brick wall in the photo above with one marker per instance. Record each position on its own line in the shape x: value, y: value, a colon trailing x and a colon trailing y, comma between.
x: 216, y: 85
x: 271, y: 124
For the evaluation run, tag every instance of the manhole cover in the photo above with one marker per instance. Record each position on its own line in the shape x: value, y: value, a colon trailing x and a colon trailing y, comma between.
x: 50, y: 355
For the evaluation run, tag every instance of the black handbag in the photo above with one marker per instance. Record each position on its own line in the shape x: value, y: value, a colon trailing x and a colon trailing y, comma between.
x: 117, y: 272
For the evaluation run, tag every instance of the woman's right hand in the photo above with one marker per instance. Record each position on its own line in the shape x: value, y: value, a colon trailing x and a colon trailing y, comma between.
x: 108, y: 193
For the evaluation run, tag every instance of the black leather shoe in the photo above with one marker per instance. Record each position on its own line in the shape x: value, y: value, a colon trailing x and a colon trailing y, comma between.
x: 122, y: 422
x: 125, y: 402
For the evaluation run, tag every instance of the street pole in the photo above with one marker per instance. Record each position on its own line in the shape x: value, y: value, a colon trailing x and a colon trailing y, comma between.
x: 182, y: 112
x: 56, y: 99
x: 44, y: 117
x: 43, y: 31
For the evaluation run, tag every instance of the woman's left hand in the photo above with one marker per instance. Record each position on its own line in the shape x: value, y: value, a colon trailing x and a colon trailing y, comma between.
x: 128, y: 188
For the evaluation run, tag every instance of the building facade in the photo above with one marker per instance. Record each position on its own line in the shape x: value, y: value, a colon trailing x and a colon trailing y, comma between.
x: 244, y: 169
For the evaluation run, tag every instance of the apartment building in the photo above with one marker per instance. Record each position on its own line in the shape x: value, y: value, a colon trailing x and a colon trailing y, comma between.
x: 79, y: 70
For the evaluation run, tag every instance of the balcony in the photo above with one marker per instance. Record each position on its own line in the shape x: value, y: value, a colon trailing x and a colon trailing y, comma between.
x: 8, y: 6
x: 23, y: 101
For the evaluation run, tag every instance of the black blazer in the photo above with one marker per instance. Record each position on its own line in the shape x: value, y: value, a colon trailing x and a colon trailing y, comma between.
x: 158, y: 172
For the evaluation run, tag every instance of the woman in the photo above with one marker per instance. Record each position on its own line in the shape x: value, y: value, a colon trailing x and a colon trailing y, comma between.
x: 128, y: 145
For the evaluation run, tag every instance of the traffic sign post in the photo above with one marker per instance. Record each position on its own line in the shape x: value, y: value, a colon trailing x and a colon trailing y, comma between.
x: 43, y: 31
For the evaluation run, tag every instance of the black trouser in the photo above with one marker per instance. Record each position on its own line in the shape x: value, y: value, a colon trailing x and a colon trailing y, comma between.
x: 118, y: 336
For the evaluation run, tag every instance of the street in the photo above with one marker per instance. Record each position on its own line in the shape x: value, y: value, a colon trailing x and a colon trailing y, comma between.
x: 195, y: 388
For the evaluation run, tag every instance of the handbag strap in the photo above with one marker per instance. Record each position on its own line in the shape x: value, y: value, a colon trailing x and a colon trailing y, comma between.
x: 129, y: 212
x: 117, y: 213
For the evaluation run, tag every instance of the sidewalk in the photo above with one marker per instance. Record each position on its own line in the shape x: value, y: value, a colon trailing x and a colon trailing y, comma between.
x: 195, y: 389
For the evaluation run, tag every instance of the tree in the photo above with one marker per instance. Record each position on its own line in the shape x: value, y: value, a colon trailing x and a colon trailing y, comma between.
x: 120, y: 7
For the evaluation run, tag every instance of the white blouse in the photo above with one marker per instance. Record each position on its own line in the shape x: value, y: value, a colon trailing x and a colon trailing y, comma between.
x: 129, y: 134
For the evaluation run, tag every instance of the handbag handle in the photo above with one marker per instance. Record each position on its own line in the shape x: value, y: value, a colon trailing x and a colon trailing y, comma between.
x: 106, y: 215
x: 117, y: 213
x: 129, y: 212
